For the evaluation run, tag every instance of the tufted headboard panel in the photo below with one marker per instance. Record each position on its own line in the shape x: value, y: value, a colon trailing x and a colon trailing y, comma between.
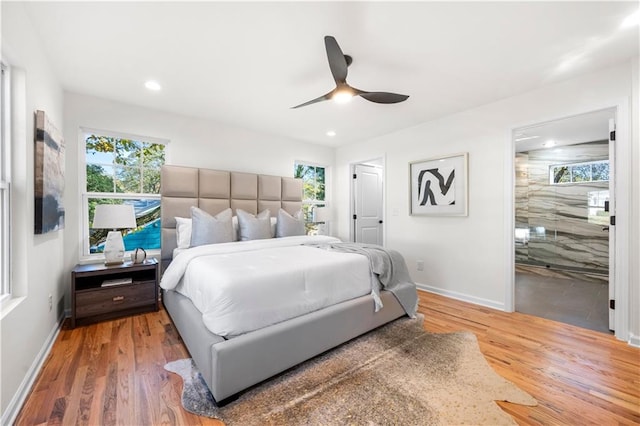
x: 216, y: 190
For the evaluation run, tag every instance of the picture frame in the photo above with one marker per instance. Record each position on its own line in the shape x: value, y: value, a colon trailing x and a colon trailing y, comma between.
x: 438, y: 186
x: 49, y: 182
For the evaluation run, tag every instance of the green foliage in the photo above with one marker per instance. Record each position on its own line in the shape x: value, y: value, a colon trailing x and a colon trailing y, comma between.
x: 561, y: 174
x: 134, y: 167
x: 98, y: 180
x: 121, y: 165
x: 313, y: 178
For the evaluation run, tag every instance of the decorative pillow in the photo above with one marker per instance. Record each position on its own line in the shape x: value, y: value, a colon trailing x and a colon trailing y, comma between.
x: 254, y: 227
x: 236, y: 227
x: 183, y: 232
x: 207, y: 229
x: 289, y: 226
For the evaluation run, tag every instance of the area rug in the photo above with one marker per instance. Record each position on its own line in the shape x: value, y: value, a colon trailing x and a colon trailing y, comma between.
x: 396, y: 374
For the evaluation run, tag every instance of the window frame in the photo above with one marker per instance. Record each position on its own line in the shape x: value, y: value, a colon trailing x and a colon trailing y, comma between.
x: 310, y: 225
x: 571, y: 166
x: 5, y: 182
x: 85, y: 254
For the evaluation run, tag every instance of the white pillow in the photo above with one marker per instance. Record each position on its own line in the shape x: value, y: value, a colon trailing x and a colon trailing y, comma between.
x: 274, y: 221
x: 254, y: 227
x: 207, y: 229
x: 183, y: 232
x: 289, y: 226
x: 234, y: 222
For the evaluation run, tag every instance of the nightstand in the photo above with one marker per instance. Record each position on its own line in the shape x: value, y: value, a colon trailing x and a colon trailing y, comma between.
x: 100, y: 292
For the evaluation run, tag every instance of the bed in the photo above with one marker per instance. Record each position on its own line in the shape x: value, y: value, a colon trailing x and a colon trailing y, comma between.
x: 232, y: 359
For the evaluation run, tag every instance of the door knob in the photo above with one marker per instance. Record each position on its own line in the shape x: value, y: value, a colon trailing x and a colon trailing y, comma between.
x: 606, y: 228
x: 379, y: 221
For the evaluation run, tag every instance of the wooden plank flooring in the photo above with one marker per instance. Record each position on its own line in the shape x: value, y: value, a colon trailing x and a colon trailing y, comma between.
x: 112, y: 372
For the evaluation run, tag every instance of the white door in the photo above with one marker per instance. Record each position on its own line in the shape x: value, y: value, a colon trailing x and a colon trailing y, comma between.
x: 367, y: 190
x: 612, y: 228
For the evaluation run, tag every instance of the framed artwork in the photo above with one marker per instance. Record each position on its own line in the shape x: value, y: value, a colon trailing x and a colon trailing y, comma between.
x: 438, y: 186
x: 48, y: 176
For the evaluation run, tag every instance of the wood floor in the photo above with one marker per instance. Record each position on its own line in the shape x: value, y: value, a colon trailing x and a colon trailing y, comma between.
x: 112, y: 372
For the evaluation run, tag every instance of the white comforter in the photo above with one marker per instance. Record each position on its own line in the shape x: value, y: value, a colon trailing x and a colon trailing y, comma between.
x: 243, y: 286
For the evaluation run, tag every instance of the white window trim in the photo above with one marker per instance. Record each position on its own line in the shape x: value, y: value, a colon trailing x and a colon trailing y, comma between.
x: 85, y: 256
x: 5, y: 183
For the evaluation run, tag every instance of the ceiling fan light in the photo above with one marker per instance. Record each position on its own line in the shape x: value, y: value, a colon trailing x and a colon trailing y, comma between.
x: 342, y: 96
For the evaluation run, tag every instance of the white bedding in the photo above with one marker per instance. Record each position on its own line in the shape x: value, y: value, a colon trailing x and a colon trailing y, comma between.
x: 243, y: 286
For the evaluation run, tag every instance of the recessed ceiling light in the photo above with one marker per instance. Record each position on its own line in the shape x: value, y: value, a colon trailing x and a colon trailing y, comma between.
x: 152, y: 85
x: 331, y: 133
x: 549, y: 143
x: 631, y: 20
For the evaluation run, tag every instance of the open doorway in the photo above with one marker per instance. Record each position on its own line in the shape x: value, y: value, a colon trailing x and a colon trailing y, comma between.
x: 367, y: 202
x: 564, y: 196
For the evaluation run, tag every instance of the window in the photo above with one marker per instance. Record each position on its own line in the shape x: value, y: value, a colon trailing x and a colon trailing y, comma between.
x: 594, y: 171
x: 597, y: 208
x: 5, y: 187
x: 121, y: 169
x: 313, y: 178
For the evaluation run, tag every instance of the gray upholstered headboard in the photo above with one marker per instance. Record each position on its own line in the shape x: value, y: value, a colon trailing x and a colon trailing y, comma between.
x: 215, y: 190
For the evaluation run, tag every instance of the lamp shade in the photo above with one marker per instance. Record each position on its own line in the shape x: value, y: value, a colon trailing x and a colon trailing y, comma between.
x: 114, y: 216
x: 321, y: 214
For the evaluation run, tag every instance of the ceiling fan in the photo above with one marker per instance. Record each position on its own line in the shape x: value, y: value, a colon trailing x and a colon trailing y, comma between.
x: 338, y: 63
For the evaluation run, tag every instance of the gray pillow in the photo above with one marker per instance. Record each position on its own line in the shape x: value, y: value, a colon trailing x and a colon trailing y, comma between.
x: 254, y: 227
x: 207, y: 229
x: 289, y: 226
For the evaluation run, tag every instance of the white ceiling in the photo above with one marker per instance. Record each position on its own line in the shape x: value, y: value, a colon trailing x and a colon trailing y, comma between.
x: 246, y: 64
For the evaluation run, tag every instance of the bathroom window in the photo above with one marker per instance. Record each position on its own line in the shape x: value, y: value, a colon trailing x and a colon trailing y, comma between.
x: 594, y: 171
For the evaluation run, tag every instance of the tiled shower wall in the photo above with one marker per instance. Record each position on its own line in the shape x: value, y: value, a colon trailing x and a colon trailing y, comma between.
x: 553, y: 224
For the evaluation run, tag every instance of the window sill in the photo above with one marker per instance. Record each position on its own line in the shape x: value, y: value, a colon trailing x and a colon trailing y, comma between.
x: 8, y: 304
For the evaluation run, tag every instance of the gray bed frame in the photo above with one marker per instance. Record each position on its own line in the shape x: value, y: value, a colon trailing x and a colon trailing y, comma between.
x: 230, y: 366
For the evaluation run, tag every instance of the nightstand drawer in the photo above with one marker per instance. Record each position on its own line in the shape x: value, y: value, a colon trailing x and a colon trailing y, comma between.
x: 107, y: 300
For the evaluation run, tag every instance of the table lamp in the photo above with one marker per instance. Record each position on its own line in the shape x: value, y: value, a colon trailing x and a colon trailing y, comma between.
x: 116, y: 217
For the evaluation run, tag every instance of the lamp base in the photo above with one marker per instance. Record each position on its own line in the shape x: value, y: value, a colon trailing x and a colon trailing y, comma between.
x: 114, y: 249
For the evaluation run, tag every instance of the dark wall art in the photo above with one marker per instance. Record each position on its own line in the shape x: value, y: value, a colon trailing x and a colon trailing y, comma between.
x: 438, y: 186
x: 49, y: 176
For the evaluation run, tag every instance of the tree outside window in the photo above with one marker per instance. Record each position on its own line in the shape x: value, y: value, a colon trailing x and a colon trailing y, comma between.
x: 124, y: 170
x: 595, y: 171
x: 313, y: 193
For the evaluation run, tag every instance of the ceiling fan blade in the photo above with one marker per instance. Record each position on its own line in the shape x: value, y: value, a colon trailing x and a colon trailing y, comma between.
x: 382, y: 97
x: 313, y: 101
x: 337, y: 61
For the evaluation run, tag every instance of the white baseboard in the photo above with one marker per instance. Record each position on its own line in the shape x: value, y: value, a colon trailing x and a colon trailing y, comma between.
x: 461, y: 296
x: 634, y: 340
x: 10, y: 414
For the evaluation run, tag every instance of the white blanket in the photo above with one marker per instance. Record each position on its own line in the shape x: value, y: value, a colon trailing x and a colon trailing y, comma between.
x: 243, y: 286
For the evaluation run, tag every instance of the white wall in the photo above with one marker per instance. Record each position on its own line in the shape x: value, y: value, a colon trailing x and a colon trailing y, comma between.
x: 635, y: 219
x: 466, y: 257
x: 192, y: 142
x: 38, y: 270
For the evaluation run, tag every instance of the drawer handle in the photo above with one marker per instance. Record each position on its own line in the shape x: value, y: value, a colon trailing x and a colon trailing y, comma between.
x: 118, y: 298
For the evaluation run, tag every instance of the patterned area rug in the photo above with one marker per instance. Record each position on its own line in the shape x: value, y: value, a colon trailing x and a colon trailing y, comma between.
x: 397, y: 374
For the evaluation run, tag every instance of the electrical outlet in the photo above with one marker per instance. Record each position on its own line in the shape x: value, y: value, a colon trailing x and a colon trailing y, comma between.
x: 420, y: 265
x: 50, y: 302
